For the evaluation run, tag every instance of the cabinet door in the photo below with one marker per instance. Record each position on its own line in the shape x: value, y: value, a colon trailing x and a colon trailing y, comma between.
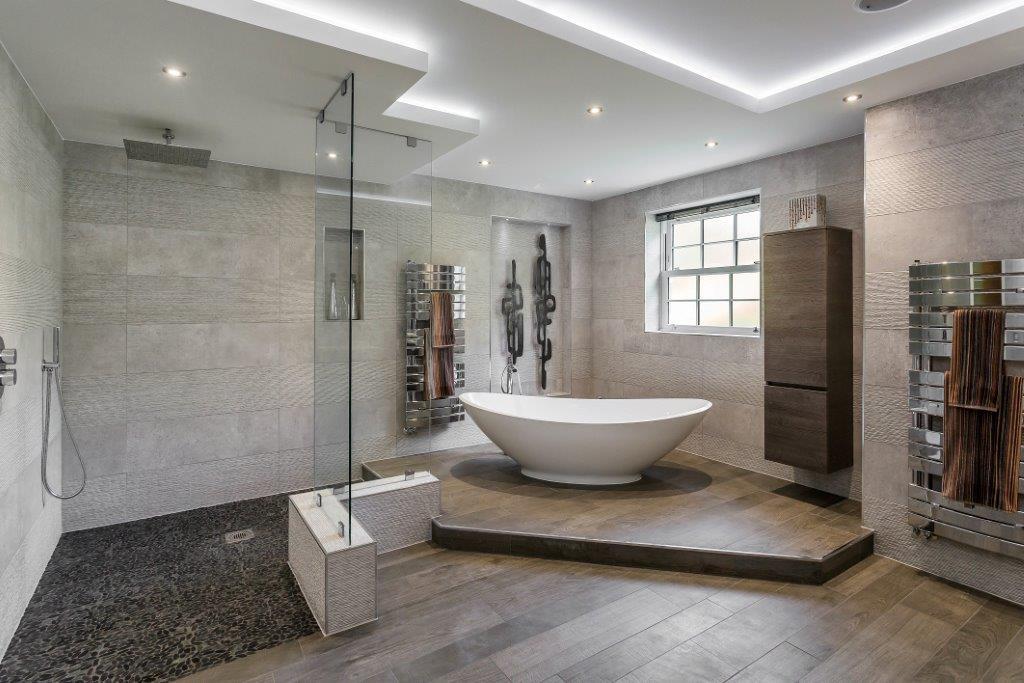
x: 795, y: 307
x: 796, y: 427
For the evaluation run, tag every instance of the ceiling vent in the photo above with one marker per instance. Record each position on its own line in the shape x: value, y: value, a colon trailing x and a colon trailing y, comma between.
x: 878, y: 5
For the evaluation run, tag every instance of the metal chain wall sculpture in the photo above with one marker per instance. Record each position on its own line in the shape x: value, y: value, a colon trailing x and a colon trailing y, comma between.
x: 544, y: 306
x: 512, y: 309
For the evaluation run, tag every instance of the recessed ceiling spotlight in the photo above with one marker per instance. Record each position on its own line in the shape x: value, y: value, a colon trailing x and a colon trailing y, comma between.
x: 878, y: 5
x: 174, y: 72
x: 588, y: 181
x: 711, y: 144
x: 852, y: 98
x: 595, y: 110
x: 332, y: 155
x: 485, y: 162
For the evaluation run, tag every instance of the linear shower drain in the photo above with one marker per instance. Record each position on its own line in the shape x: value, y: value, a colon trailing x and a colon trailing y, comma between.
x: 239, y: 536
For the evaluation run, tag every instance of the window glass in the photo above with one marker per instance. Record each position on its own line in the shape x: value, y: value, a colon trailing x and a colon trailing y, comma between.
x: 684, y: 287
x: 718, y: 229
x: 746, y: 313
x: 748, y: 224
x: 682, y: 313
x: 712, y: 272
x: 748, y: 252
x: 686, y: 258
x: 746, y: 286
x: 714, y: 314
x: 684, y: 234
x: 719, y: 254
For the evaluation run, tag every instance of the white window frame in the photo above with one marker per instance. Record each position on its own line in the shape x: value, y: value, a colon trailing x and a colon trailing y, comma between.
x: 667, y: 271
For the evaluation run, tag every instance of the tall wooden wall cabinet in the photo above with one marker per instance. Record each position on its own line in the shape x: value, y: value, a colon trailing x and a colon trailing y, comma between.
x: 808, y: 348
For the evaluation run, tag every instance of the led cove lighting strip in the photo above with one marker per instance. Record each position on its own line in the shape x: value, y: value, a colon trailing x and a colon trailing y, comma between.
x: 690, y: 64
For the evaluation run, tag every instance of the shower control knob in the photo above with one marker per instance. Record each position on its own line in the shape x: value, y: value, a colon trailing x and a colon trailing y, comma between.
x: 8, y: 356
x: 8, y: 378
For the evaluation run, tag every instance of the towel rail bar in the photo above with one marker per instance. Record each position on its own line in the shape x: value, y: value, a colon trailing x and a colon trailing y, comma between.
x: 935, y: 291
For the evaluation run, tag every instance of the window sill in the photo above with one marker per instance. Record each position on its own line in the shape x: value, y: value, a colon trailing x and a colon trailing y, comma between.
x: 695, y: 333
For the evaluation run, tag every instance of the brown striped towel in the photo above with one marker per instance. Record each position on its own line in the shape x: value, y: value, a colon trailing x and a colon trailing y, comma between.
x: 981, y: 450
x: 976, y: 365
x: 440, y: 372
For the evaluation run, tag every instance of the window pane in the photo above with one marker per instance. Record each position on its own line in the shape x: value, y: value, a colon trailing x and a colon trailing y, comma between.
x: 746, y: 286
x: 684, y: 234
x: 682, y: 313
x: 714, y: 286
x: 746, y: 313
x: 718, y: 229
x: 714, y: 313
x: 685, y: 258
x: 682, y: 287
x: 747, y: 252
x: 720, y: 254
x: 748, y: 224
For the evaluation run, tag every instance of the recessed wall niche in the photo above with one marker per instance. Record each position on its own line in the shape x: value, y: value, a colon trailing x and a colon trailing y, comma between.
x: 546, y: 352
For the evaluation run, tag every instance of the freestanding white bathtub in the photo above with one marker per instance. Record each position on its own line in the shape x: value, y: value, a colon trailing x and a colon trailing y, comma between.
x: 584, y: 441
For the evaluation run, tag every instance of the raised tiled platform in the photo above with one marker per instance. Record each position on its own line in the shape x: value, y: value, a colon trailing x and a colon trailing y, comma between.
x: 687, y: 513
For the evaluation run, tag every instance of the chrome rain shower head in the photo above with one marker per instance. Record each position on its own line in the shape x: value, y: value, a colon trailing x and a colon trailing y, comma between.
x: 167, y: 153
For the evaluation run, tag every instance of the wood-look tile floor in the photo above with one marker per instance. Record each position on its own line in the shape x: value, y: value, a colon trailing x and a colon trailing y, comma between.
x: 684, y: 500
x: 459, y: 616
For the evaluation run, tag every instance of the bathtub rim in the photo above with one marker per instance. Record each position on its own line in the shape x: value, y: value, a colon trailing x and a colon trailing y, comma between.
x: 705, y: 407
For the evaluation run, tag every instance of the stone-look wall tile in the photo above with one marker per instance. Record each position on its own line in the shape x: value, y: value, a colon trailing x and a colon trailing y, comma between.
x: 945, y: 181
x: 31, y: 205
x: 178, y: 442
x: 205, y: 300
x: 91, y: 299
x: 102, y: 448
x: 886, y: 414
x: 169, y: 347
x: 93, y: 401
x: 101, y: 503
x: 169, y: 395
x: 91, y: 350
x: 726, y: 370
x: 886, y: 357
x: 977, y: 108
x: 92, y: 197
x: 180, y: 253
x: 887, y: 300
x: 297, y: 260
x: 95, y: 249
x: 966, y: 232
x: 985, y: 169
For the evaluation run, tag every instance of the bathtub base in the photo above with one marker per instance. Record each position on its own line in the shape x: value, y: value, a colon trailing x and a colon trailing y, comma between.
x: 580, y: 479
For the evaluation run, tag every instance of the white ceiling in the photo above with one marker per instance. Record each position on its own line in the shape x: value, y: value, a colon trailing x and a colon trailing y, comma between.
x: 764, y: 55
x: 92, y: 62
x: 251, y: 94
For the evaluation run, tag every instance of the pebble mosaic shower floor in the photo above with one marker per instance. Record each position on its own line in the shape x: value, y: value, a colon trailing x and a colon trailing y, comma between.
x: 161, y: 598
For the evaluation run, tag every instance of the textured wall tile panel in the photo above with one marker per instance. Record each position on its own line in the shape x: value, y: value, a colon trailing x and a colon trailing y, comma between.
x: 399, y: 518
x: 91, y: 299
x: 985, y: 169
x: 103, y: 502
x: 29, y: 295
x: 308, y: 565
x: 103, y: 451
x: 95, y: 400
x: 91, y: 197
x: 977, y: 108
x: 887, y: 300
x: 886, y: 414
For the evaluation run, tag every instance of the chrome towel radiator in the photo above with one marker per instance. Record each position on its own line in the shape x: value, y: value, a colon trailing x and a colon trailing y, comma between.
x: 420, y: 280
x: 935, y: 291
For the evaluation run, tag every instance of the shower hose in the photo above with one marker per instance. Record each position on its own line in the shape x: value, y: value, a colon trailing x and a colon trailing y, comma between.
x: 51, y: 374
